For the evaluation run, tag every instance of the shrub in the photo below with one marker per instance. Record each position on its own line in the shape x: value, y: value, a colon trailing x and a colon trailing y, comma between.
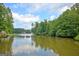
x: 65, y: 33
x: 77, y: 37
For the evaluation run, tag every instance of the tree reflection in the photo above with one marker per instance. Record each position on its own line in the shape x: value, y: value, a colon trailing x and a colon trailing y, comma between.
x: 6, y: 46
x: 61, y: 46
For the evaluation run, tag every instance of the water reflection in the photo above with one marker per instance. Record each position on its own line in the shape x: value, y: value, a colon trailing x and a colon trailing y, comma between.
x: 26, y: 47
x: 38, y: 46
x: 22, y: 46
x: 61, y: 46
x: 6, y: 46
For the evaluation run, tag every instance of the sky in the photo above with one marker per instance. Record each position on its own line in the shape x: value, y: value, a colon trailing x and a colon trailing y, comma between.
x: 24, y: 14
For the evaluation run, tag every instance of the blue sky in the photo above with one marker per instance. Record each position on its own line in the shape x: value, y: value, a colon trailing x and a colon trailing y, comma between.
x: 26, y: 13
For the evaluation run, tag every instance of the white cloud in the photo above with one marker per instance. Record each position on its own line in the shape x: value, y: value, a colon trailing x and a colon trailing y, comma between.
x: 52, y: 17
x: 25, y: 17
x: 60, y: 11
x: 37, y: 7
x: 40, y: 7
x: 20, y: 24
x: 63, y: 9
x: 24, y: 21
x: 59, y: 8
x: 51, y: 7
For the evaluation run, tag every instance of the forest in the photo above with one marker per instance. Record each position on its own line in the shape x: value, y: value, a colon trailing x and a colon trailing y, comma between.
x: 66, y: 25
x: 21, y: 30
x: 6, y: 20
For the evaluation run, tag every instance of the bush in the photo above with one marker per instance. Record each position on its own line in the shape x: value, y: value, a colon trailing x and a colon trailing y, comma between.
x: 65, y: 33
x: 77, y: 37
x: 52, y: 32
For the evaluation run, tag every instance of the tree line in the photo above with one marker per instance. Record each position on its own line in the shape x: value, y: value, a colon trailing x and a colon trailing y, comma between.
x: 6, y: 19
x: 66, y: 25
x: 21, y: 31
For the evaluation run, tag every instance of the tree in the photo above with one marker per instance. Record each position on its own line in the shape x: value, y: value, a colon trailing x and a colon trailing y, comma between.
x: 66, y: 25
x: 6, y: 19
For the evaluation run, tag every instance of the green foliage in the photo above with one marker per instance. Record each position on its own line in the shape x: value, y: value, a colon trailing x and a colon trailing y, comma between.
x: 21, y: 30
x: 41, y: 28
x: 6, y: 19
x: 66, y: 25
x: 77, y: 37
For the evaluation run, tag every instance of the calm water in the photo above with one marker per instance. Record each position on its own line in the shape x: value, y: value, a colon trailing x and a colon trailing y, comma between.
x: 38, y: 46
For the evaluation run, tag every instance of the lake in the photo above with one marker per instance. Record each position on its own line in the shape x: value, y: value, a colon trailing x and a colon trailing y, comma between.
x: 38, y: 46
